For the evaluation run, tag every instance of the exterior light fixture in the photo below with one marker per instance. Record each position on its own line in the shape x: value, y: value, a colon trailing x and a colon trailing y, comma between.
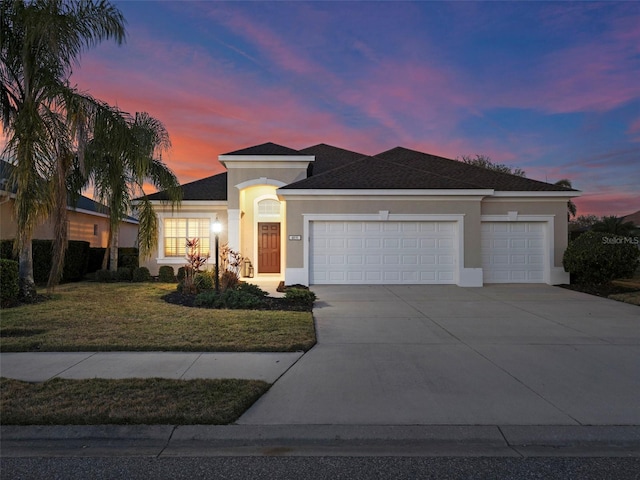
x: 216, y: 228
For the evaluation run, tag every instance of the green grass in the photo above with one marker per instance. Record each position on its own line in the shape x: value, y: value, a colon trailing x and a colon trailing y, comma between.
x: 132, y: 317
x: 130, y: 401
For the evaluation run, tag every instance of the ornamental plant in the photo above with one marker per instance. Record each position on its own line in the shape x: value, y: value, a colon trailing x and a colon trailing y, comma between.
x: 195, y: 261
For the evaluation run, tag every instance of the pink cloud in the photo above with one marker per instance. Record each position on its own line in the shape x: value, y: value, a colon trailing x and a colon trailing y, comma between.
x: 600, y: 204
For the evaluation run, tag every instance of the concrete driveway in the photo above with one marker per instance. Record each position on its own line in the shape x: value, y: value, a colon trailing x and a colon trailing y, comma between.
x: 445, y: 355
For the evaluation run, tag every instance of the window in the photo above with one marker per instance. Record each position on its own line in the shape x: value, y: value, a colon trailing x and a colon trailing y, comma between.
x: 95, y: 230
x: 269, y: 207
x: 177, y: 230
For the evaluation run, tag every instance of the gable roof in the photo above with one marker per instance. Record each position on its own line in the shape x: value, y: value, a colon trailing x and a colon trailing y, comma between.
x: 210, y: 188
x: 268, y: 148
x: 328, y: 157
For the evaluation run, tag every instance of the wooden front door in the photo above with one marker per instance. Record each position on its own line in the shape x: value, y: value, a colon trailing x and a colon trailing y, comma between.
x: 268, y: 248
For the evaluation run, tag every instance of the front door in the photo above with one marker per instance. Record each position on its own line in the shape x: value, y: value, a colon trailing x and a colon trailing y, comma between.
x: 268, y: 248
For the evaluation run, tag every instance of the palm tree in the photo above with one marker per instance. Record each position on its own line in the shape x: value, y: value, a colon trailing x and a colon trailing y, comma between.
x: 39, y: 43
x: 614, y: 225
x: 124, y: 155
x: 571, y: 207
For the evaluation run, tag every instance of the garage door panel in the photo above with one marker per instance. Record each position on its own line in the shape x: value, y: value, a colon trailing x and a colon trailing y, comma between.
x: 383, y: 252
x: 513, y: 252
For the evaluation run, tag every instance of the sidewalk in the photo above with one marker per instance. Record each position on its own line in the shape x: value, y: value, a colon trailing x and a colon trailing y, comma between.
x: 42, y: 366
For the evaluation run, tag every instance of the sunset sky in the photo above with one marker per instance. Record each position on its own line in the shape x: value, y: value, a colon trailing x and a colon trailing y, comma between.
x: 552, y: 88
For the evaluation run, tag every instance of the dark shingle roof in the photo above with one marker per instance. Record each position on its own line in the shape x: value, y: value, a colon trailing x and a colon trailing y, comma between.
x: 403, y: 169
x: 377, y: 173
x: 479, y: 176
x: 268, y: 148
x: 328, y: 157
x: 210, y: 188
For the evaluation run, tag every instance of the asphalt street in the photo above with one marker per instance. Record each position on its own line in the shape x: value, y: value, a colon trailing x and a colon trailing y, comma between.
x: 319, y: 468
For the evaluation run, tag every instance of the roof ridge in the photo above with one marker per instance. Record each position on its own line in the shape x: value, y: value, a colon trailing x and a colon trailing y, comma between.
x: 284, y: 150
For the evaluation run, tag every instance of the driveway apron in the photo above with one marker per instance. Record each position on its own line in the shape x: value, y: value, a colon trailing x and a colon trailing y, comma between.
x: 445, y: 355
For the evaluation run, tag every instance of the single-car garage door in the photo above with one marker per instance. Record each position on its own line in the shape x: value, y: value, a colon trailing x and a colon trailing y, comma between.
x: 369, y: 252
x: 513, y: 252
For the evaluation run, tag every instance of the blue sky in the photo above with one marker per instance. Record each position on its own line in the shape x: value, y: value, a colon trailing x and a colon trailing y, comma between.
x: 553, y: 88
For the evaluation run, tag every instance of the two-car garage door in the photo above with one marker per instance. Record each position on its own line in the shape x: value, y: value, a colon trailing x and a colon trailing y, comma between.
x: 383, y: 252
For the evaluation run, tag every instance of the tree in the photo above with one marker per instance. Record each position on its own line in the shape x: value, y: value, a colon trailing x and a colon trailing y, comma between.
x: 614, y: 225
x: 124, y: 154
x: 583, y: 222
x: 571, y: 207
x: 40, y: 41
x: 486, y: 162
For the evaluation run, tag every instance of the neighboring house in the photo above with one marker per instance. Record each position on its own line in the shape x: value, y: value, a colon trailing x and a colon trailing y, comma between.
x: 633, y: 218
x: 324, y: 215
x: 87, y: 220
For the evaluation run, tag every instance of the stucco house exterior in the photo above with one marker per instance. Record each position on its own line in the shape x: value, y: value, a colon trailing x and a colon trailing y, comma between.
x: 325, y: 215
x: 87, y: 220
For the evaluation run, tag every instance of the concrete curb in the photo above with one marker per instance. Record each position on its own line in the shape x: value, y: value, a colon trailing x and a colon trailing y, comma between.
x: 311, y: 440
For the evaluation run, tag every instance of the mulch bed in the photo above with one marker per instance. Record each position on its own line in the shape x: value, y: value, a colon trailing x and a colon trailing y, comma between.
x: 599, y: 290
x: 269, y: 303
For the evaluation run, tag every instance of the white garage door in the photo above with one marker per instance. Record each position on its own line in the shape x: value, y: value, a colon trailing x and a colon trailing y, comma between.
x: 513, y: 252
x: 361, y: 252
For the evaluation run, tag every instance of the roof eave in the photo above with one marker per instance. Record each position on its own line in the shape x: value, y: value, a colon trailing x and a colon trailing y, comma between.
x: 385, y: 192
x: 538, y: 193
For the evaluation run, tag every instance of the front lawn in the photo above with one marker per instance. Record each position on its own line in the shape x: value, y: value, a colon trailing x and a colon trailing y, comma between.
x: 129, y: 401
x: 91, y: 316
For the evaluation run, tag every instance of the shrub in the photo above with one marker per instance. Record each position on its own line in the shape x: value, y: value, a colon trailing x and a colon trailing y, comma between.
x: 595, y: 258
x: 76, y: 261
x: 104, y: 276
x: 166, y: 274
x: 232, y: 299
x: 128, y: 257
x: 124, y: 274
x: 203, y: 281
x: 141, y: 274
x: 96, y: 255
x: 9, y: 282
x: 251, y: 289
x: 300, y: 296
x: 6, y: 250
x: 182, y: 272
x: 228, y: 280
x: 42, y: 255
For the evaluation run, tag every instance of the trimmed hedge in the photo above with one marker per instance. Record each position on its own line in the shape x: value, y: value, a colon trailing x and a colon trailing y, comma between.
x: 166, y: 274
x: 141, y: 274
x: 127, y: 257
x: 9, y: 282
x: 300, y: 296
x: 595, y: 258
x: 75, y: 263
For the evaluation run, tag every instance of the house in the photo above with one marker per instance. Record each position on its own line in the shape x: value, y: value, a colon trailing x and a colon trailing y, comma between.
x: 87, y: 220
x: 633, y: 218
x: 325, y: 215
